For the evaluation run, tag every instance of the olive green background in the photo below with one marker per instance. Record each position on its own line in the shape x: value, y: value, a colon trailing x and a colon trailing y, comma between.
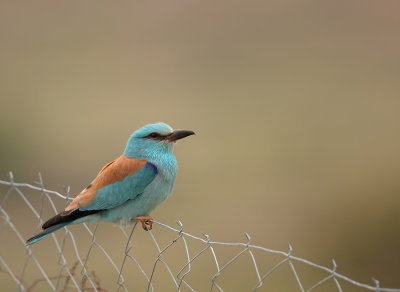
x: 295, y: 105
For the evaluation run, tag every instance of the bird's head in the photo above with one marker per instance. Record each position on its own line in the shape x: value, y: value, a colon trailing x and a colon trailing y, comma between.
x: 153, y: 140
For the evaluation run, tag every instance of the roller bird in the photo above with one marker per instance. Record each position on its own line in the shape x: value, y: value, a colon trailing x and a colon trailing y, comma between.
x: 128, y: 188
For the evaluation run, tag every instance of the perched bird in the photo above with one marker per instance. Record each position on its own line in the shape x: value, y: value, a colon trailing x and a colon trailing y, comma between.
x: 128, y: 188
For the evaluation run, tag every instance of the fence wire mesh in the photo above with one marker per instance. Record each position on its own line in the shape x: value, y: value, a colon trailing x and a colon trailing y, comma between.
x: 99, y: 258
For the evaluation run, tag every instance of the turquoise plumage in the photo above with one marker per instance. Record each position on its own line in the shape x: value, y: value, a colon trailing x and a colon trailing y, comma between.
x: 128, y: 188
x: 119, y: 192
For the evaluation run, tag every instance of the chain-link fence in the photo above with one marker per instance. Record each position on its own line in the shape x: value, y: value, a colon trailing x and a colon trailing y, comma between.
x: 125, y: 258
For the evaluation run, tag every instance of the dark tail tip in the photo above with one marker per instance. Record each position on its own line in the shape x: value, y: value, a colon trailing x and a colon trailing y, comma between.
x: 44, y: 233
x: 32, y: 240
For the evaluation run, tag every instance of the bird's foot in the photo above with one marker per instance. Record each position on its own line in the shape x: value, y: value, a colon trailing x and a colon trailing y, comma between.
x: 147, y: 222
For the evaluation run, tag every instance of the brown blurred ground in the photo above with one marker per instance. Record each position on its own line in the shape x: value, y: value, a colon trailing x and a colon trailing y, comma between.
x: 295, y: 104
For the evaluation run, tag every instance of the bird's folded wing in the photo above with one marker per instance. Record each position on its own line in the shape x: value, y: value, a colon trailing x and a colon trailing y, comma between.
x: 120, y: 180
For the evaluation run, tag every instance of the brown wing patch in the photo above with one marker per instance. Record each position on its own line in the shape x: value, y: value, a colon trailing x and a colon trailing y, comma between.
x: 107, y: 165
x: 112, y: 172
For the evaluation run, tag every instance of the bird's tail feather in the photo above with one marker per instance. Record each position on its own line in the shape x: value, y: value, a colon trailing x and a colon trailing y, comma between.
x: 45, y: 232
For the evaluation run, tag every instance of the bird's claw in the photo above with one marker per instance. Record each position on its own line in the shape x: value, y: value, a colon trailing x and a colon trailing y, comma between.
x: 147, y: 222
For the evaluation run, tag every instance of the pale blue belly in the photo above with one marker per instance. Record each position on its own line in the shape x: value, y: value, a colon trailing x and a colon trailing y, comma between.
x: 156, y: 192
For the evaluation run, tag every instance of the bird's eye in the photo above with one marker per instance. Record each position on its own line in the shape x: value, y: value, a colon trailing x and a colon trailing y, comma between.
x: 154, y: 135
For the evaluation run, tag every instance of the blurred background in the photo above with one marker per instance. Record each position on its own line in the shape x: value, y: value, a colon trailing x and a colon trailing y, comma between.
x: 295, y: 105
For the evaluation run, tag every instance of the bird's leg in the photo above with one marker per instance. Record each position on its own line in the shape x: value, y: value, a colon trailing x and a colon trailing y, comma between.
x: 146, y: 221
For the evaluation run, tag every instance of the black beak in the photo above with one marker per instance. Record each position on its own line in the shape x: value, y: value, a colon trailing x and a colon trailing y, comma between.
x: 178, y: 134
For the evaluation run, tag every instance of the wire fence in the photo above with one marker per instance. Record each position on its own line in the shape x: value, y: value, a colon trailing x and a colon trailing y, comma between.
x: 125, y: 258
